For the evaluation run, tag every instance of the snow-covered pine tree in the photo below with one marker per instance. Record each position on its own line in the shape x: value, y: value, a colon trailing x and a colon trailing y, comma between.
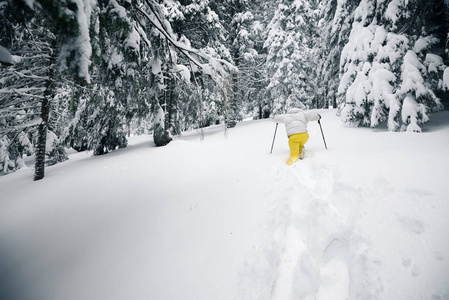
x: 256, y: 98
x: 50, y: 40
x: 103, y: 108
x: 334, y: 27
x: 191, y: 95
x: 160, y: 67
x: 28, y: 88
x: 13, y: 115
x: 235, y: 19
x: 290, y: 64
x: 246, y: 23
x: 199, y: 24
x: 387, y: 65
x: 176, y: 55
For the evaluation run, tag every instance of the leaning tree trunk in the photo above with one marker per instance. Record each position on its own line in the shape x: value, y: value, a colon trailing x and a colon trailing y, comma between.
x: 39, y: 167
x: 39, y: 171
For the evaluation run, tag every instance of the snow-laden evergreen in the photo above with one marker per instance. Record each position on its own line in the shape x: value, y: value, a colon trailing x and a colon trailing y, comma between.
x: 222, y: 218
x: 291, y: 37
x: 388, y: 75
x: 334, y: 28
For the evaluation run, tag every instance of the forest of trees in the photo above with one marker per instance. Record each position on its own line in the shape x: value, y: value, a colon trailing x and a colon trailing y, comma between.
x: 88, y: 73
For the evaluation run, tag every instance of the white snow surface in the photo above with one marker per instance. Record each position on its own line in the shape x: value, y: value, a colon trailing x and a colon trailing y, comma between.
x: 222, y: 218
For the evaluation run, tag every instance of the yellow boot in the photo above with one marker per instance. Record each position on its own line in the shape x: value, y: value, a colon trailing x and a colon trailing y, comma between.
x: 292, y: 160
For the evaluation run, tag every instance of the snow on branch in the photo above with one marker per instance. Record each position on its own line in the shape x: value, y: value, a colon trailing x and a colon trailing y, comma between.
x: 214, y: 63
x: 28, y: 95
x: 32, y: 76
x: 30, y: 123
x: 22, y: 91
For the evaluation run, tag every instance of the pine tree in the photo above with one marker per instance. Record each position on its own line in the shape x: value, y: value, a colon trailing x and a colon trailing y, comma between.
x: 28, y: 86
x: 197, y: 23
x: 257, y: 98
x: 174, y: 58
x: 251, y: 35
x: 334, y: 26
x: 387, y: 65
x: 13, y: 116
x: 105, y: 107
x: 290, y: 64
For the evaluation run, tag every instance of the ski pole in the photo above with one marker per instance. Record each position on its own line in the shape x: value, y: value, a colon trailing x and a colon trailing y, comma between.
x: 322, y: 134
x: 274, y: 138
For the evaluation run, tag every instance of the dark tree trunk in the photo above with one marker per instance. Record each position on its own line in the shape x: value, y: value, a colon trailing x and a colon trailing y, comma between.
x: 39, y: 167
x: 39, y: 171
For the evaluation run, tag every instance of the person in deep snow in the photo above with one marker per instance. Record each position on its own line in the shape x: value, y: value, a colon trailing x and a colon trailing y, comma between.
x: 296, y: 126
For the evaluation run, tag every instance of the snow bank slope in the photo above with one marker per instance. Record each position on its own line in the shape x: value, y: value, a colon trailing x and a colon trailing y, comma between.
x: 221, y: 218
x: 363, y: 220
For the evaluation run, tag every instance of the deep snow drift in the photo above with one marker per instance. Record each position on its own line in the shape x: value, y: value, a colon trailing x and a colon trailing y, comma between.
x: 222, y: 218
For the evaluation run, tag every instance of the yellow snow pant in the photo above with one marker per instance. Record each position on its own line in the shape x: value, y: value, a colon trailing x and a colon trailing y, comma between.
x: 296, y: 143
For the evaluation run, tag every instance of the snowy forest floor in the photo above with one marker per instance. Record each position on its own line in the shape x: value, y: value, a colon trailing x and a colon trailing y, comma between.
x: 222, y: 218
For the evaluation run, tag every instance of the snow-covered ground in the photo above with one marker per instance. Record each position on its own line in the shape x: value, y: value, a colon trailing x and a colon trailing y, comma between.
x: 223, y: 219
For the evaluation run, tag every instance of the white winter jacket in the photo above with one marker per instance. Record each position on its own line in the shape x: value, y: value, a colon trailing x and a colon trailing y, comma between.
x: 296, y: 120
